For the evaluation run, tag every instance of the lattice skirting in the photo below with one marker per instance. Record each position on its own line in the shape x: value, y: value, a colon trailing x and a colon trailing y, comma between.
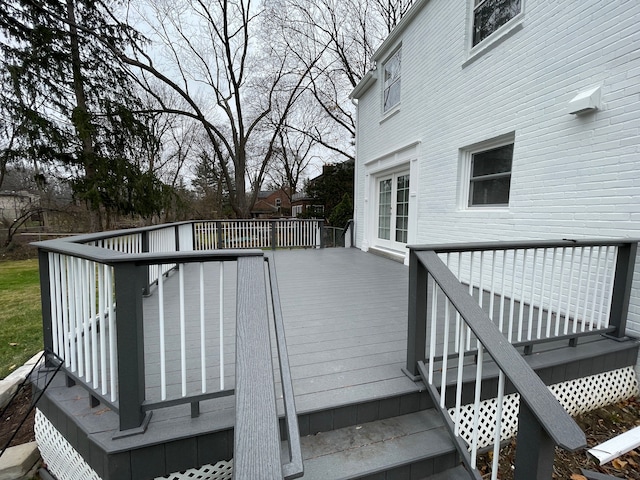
x: 576, y: 396
x: 65, y: 463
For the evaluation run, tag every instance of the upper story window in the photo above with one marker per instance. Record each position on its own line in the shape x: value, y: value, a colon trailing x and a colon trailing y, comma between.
x: 490, y: 15
x: 391, y: 94
x: 490, y: 179
x: 278, y: 202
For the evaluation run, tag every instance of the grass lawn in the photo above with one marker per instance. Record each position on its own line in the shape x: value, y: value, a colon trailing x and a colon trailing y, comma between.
x: 20, y: 313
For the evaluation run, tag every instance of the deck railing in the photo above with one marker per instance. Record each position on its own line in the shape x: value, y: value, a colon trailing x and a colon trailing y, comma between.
x: 94, y: 307
x: 468, y: 303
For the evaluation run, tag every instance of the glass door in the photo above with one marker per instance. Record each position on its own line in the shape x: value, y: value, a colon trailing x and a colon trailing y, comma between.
x: 393, y: 210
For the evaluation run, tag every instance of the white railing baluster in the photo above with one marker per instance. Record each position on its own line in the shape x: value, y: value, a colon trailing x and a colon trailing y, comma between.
x: 54, y: 282
x: 612, y: 278
x: 459, y: 346
x: 533, y: 294
x: 513, y: 296
x: 492, y: 286
x: 161, y: 327
x: 102, y: 294
x: 434, y: 319
x: 522, y: 291
x: 86, y: 317
x: 551, y: 291
x: 597, y: 287
x: 456, y: 417
x: 445, y: 354
x: 203, y: 356
x: 560, y: 291
x: 183, y: 332
x: 568, y: 310
x: 498, y: 428
x: 221, y: 324
x: 113, y: 354
x: 579, y: 290
x: 587, y: 288
x: 502, y: 290
x: 471, y: 258
x: 73, y: 310
x: 476, y: 407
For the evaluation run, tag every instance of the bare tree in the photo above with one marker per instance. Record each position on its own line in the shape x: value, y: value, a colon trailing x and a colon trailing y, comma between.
x: 212, y: 55
x: 348, y: 32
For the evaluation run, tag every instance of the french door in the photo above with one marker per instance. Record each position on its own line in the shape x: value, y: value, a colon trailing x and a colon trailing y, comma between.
x: 393, y: 209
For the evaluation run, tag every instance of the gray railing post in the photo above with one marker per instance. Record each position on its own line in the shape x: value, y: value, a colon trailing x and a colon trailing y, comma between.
x: 535, y: 450
x: 130, y: 341
x: 625, y: 265
x: 145, y: 268
x: 417, y: 318
x: 176, y: 233
x: 45, y: 299
x: 219, y: 237
x: 274, y: 234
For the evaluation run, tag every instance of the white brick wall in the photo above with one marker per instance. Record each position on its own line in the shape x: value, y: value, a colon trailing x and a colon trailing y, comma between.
x: 573, y: 176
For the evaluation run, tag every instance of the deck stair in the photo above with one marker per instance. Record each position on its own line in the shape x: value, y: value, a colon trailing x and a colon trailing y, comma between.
x: 415, y: 445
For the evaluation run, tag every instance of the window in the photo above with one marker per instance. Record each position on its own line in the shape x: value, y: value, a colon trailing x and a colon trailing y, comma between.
x: 490, y: 15
x: 391, y: 95
x: 490, y: 179
x: 278, y: 202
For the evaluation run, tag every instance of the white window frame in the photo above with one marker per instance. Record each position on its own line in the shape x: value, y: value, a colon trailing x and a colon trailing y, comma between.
x: 394, y: 82
x: 391, y: 243
x: 466, y: 164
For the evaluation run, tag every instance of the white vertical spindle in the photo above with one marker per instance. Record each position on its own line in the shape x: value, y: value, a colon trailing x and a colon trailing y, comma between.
x: 183, y: 333
x: 161, y: 327
x: 522, y: 292
x: 113, y: 354
x: 498, y: 430
x: 434, y: 326
x: 221, y: 324
x: 476, y: 408
x: 456, y: 416
x: 203, y: 363
x: 513, y: 295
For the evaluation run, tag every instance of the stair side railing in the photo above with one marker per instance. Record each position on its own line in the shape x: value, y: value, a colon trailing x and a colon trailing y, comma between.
x: 542, y: 422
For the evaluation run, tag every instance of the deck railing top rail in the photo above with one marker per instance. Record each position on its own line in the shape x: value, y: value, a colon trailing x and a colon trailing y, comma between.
x: 522, y: 244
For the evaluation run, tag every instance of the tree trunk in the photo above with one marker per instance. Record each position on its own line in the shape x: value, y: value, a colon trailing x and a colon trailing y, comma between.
x: 81, y: 117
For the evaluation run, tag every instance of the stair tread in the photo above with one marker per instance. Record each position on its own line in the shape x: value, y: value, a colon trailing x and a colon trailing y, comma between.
x: 456, y: 473
x: 375, y: 446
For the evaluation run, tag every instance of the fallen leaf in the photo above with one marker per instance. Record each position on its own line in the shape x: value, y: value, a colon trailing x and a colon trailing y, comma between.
x: 12, y: 367
x: 619, y: 464
x: 577, y: 476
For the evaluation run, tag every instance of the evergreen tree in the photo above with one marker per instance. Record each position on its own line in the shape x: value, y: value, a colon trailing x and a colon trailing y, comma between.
x: 75, y: 104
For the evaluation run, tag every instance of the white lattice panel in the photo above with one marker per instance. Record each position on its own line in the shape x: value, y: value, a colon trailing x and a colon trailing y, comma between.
x: 576, y: 396
x: 220, y: 471
x: 65, y: 463
x: 487, y: 420
x: 61, y: 459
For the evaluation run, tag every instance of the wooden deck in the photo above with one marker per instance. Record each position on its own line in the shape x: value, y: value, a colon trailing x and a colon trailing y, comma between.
x: 345, y: 315
x: 345, y: 318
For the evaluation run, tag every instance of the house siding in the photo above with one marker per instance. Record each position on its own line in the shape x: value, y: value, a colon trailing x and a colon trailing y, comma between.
x: 572, y: 176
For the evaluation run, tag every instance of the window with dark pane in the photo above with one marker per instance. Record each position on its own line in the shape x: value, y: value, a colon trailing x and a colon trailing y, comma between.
x: 392, y: 81
x: 490, y: 15
x: 491, y: 177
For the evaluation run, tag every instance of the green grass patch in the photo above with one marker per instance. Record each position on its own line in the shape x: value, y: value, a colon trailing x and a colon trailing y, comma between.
x: 20, y: 314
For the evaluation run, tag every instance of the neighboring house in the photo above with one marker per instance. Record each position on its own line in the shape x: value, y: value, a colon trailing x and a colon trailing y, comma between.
x: 502, y: 120
x: 301, y: 202
x: 15, y: 204
x: 271, y: 204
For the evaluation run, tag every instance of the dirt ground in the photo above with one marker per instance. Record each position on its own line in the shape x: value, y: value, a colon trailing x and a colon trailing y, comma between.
x: 11, y: 419
x: 599, y: 426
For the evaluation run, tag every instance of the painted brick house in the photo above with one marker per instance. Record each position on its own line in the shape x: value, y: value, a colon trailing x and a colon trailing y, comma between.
x: 502, y: 120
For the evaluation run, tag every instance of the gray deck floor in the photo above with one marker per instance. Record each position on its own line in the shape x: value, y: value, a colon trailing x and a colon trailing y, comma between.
x: 345, y: 317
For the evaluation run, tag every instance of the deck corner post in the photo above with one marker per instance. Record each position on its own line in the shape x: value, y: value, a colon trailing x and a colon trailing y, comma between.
x: 535, y: 450
x: 129, y: 285
x: 218, y: 224
x: 274, y: 234
x: 417, y: 314
x: 622, y: 281
x: 145, y: 248
x: 45, y: 299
